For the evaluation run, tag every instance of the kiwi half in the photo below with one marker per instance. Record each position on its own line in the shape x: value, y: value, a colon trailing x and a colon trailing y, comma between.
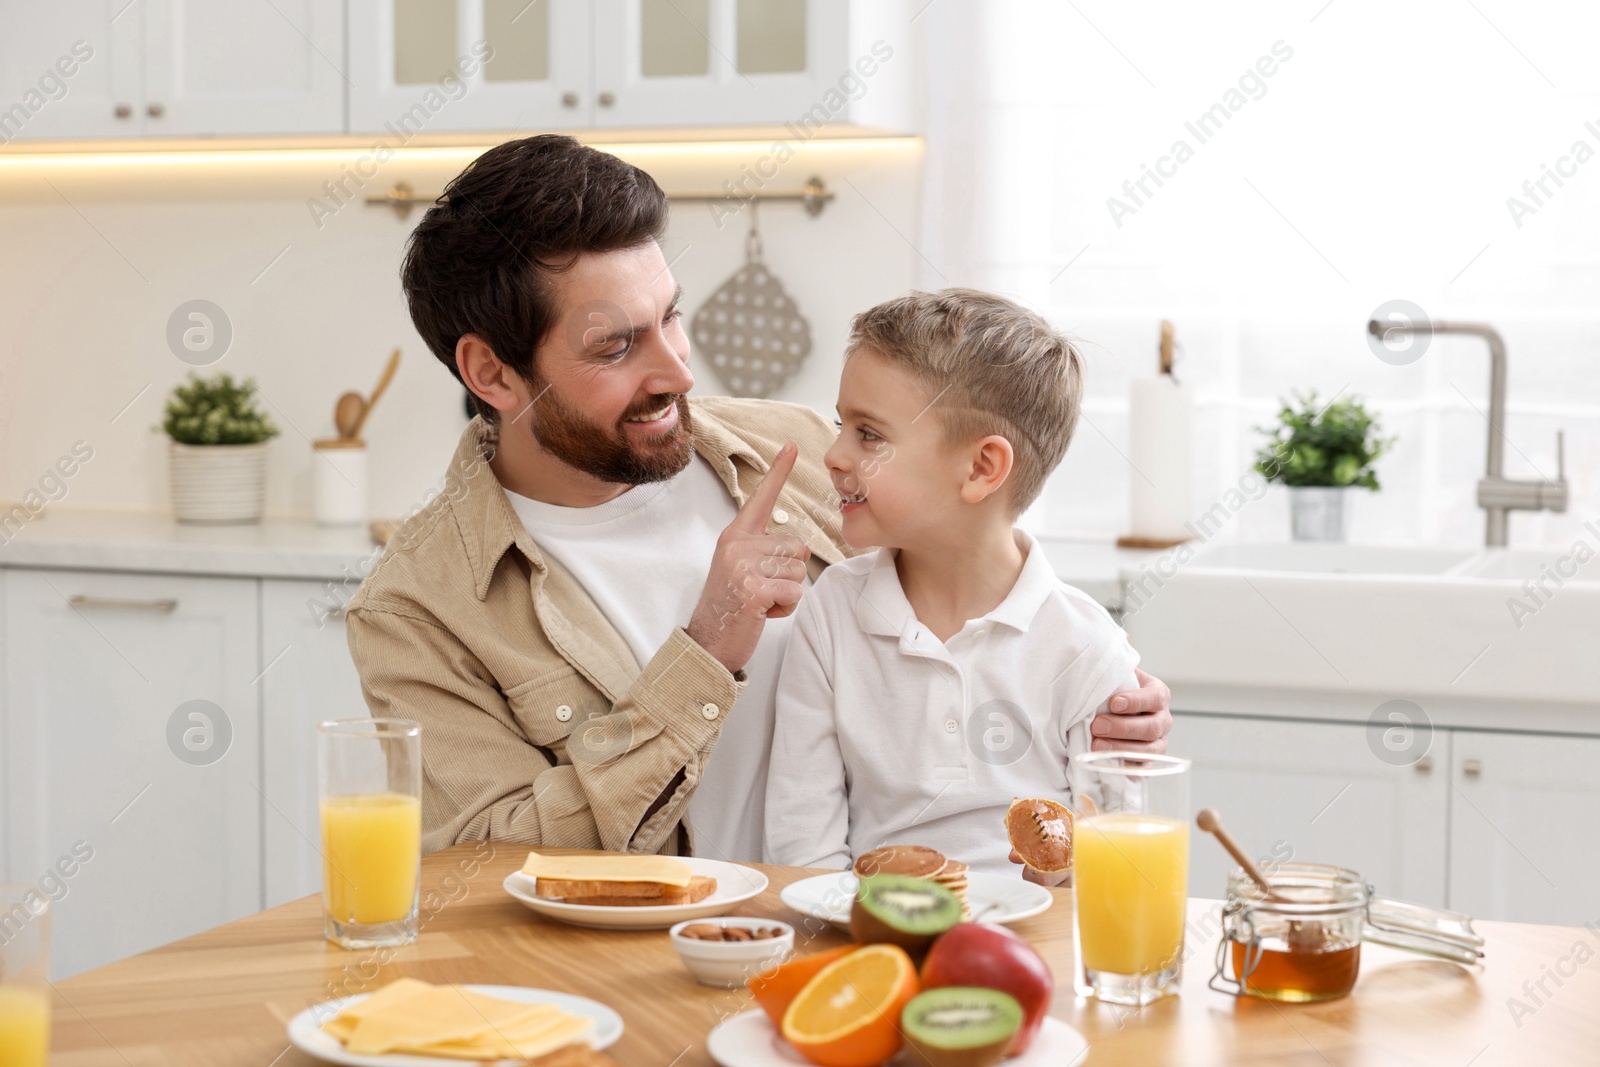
x: 960, y: 1026
x: 897, y: 910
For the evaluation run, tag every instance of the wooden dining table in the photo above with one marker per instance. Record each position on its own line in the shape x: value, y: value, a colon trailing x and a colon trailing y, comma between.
x: 224, y: 997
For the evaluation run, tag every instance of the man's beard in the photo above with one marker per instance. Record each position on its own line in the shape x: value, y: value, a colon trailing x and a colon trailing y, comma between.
x: 583, y: 444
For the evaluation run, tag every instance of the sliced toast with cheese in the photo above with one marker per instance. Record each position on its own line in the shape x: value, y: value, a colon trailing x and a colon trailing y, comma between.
x: 617, y: 880
x: 698, y: 889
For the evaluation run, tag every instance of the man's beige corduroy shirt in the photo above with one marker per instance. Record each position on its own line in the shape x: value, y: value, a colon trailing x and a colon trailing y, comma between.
x: 538, y: 724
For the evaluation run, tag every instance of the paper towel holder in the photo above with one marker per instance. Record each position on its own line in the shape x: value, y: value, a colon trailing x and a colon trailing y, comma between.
x: 1165, y: 368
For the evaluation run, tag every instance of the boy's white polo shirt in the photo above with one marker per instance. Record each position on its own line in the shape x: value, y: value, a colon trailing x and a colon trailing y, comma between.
x: 886, y: 735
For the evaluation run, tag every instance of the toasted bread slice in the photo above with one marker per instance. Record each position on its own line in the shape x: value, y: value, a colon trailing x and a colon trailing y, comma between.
x: 698, y: 889
x: 561, y: 888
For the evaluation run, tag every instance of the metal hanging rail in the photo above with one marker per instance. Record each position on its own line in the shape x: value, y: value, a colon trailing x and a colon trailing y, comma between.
x: 814, y: 195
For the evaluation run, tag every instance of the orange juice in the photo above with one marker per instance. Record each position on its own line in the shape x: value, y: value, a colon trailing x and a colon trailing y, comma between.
x: 371, y: 848
x: 1130, y: 874
x: 24, y: 1026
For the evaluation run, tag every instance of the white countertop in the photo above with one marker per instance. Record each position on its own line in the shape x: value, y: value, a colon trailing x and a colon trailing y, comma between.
x: 299, y: 548
x: 1094, y: 565
x: 141, y: 541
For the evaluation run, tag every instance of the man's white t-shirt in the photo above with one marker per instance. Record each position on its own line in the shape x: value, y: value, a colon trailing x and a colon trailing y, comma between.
x: 643, y: 558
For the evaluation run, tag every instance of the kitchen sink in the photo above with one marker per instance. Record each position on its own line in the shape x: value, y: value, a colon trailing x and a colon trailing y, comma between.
x: 1553, y: 566
x: 1313, y: 558
x: 1505, y: 625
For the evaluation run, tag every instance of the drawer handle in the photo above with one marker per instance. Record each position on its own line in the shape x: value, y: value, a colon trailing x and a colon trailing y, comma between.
x: 155, y: 604
x: 1472, y: 768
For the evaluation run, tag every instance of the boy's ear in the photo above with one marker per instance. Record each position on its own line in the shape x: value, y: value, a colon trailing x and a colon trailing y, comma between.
x: 991, y: 463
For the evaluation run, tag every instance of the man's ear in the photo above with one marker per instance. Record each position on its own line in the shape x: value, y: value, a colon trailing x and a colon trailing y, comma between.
x: 489, y: 379
x: 991, y: 460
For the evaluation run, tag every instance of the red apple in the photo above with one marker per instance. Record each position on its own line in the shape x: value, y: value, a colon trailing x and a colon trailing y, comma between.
x: 980, y: 954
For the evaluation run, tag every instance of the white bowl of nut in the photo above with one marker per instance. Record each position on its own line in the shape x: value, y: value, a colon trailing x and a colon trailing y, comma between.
x: 728, y: 951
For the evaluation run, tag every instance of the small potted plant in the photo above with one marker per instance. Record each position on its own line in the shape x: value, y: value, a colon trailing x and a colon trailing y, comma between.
x: 1320, y: 452
x: 218, y: 455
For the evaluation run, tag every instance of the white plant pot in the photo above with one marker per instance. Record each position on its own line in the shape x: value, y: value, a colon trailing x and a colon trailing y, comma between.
x: 218, y: 483
x: 1318, y: 512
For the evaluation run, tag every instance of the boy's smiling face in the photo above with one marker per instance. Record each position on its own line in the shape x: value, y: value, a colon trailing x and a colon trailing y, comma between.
x: 895, y: 474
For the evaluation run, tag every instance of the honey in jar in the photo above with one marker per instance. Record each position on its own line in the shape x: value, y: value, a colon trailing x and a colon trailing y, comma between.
x: 1303, y: 943
x: 1284, y: 973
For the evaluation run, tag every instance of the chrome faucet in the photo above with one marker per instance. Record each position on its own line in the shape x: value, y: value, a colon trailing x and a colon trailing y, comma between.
x: 1498, y: 495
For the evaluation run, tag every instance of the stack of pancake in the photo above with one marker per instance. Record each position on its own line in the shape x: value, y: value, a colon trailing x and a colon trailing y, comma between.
x: 917, y: 861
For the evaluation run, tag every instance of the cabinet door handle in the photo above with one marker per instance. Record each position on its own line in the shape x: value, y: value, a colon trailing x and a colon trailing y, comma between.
x: 1472, y: 768
x: 606, y: 99
x: 569, y: 99
x: 122, y: 111
x: 155, y: 110
x: 161, y: 604
x: 1424, y: 764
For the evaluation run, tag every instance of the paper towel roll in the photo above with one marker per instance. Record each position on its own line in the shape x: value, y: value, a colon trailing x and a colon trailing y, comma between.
x: 1159, y: 445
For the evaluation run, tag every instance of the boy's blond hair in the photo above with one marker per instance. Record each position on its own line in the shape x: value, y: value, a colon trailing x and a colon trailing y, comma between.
x: 995, y: 368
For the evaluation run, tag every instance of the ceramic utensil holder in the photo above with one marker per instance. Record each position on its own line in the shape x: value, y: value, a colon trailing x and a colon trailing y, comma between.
x: 339, y: 482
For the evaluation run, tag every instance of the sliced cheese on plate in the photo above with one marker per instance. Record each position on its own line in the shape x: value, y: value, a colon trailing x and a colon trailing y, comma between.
x: 613, y: 868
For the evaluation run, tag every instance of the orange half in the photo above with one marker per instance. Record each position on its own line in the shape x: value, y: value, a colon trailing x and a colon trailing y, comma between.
x: 849, y: 1014
x: 776, y: 989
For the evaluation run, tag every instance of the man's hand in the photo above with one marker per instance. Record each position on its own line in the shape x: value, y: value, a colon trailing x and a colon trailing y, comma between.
x: 1058, y: 878
x: 755, y: 576
x: 1138, y: 720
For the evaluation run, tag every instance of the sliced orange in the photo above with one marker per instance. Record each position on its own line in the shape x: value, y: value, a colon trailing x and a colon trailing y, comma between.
x: 849, y: 1014
x: 774, y: 989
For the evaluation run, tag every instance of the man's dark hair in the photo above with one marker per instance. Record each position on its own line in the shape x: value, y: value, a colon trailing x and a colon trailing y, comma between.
x: 481, y: 260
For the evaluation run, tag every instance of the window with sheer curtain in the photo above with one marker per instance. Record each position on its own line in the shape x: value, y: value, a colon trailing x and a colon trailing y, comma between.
x: 1265, y: 175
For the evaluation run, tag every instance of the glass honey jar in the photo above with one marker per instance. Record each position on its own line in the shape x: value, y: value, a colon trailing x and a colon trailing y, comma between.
x: 1302, y: 944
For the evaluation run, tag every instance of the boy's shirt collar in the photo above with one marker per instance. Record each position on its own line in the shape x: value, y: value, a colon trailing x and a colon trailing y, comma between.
x: 882, y: 607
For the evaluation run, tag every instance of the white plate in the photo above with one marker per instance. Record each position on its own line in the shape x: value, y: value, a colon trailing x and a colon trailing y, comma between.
x: 735, y: 884
x: 307, y: 1035
x: 750, y: 1040
x: 993, y: 898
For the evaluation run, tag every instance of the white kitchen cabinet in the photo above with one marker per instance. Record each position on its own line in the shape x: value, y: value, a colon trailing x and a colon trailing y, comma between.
x: 614, y: 64
x: 222, y: 67
x: 813, y: 63
x: 438, y: 65
x: 114, y: 771
x: 309, y: 678
x: 70, y: 69
x: 1522, y: 818
x: 171, y: 68
x: 1315, y: 792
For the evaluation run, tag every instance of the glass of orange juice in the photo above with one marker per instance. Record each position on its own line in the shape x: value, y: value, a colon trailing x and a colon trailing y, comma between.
x: 24, y: 976
x: 1130, y: 874
x: 371, y: 774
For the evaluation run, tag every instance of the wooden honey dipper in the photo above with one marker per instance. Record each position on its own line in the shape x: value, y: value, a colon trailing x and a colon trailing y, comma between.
x: 1304, y: 935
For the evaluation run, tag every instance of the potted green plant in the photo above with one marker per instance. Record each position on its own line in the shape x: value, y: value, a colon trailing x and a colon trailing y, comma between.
x: 217, y: 459
x: 1321, y: 452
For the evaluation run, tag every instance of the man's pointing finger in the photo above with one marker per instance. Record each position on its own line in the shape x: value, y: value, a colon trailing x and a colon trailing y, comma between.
x: 752, y: 518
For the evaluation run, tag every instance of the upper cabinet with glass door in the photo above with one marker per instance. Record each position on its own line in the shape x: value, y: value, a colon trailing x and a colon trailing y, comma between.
x: 444, y: 65
x: 813, y: 63
x: 441, y: 65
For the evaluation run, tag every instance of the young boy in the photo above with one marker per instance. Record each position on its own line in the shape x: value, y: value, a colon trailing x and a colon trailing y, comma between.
x: 929, y: 683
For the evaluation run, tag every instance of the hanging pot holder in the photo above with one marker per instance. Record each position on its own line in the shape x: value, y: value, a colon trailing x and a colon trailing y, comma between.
x: 750, y: 330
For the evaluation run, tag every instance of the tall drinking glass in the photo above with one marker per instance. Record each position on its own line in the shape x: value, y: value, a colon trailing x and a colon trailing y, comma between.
x: 371, y: 774
x: 24, y: 976
x: 1130, y: 846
